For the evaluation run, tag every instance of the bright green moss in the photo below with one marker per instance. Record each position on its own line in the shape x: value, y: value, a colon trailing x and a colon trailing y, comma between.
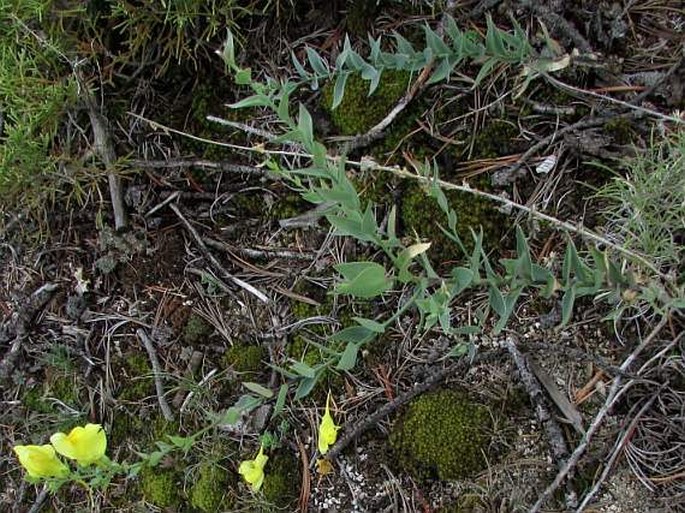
x: 420, y: 214
x: 161, y: 487
x: 137, y: 382
x: 197, y: 329
x: 244, y: 357
x: 282, y: 480
x: 211, y: 492
x: 443, y: 435
x: 358, y: 112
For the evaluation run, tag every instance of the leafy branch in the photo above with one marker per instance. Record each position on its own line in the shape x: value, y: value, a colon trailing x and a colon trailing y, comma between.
x: 442, y: 52
x: 325, y: 182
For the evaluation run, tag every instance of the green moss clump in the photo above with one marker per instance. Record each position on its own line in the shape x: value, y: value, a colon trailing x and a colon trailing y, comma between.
x: 196, y: 329
x: 442, y: 435
x: 210, y: 492
x: 621, y: 130
x: 282, y: 480
x: 161, y: 487
x: 358, y: 112
x: 126, y: 426
x: 420, y: 214
x: 496, y: 139
x: 65, y: 387
x: 287, y: 206
x: 137, y: 374
x: 244, y: 357
x: 33, y: 400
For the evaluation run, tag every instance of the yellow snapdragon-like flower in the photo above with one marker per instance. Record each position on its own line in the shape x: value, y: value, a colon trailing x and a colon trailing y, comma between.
x: 40, y: 461
x: 328, y: 431
x: 253, y: 470
x: 85, y: 444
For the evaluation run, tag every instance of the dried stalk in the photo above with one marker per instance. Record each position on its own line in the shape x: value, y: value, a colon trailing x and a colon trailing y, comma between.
x: 157, y: 372
x: 214, y: 262
x: 570, y: 465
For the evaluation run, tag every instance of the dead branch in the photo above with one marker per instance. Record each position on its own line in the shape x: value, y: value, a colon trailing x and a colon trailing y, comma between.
x: 569, y: 467
x: 18, y: 327
x: 104, y: 148
x: 201, y: 163
x: 214, y: 262
x: 555, y: 436
x: 157, y: 372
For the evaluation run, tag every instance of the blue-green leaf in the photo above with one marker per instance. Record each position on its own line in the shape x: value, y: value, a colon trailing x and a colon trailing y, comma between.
x: 496, y: 301
x: 370, y: 324
x: 258, y: 389
x: 303, y: 369
x: 280, y: 400
x: 339, y: 89
x: 355, y: 334
x: 256, y: 100
x: 435, y: 42
x: 349, y: 357
x: 306, y: 126
x: 316, y: 62
x: 567, y: 305
x: 228, y: 54
x: 305, y: 387
x: 298, y: 67
x: 463, y: 278
x: 362, y: 279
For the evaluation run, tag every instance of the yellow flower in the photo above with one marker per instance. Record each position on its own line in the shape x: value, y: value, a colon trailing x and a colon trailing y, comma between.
x: 84, y: 444
x: 328, y: 431
x: 40, y: 461
x: 253, y: 470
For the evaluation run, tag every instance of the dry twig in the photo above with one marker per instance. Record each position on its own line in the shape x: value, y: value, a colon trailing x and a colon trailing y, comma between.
x: 618, y: 450
x: 157, y: 372
x: 20, y: 325
x: 214, y: 262
x: 570, y: 465
x: 104, y: 148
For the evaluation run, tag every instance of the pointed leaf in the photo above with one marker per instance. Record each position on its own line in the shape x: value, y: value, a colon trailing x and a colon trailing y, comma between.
x: 280, y: 400
x: 306, y: 126
x: 316, y: 62
x: 258, y: 389
x: 299, y: 67
x: 370, y: 324
x: 435, y: 42
x: 229, y: 50
x: 339, y: 89
x: 349, y: 357
x: 525, y: 264
x: 567, y: 305
x: 363, y: 279
x: 496, y: 301
x: 303, y: 369
x: 256, y: 100
x: 305, y: 387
